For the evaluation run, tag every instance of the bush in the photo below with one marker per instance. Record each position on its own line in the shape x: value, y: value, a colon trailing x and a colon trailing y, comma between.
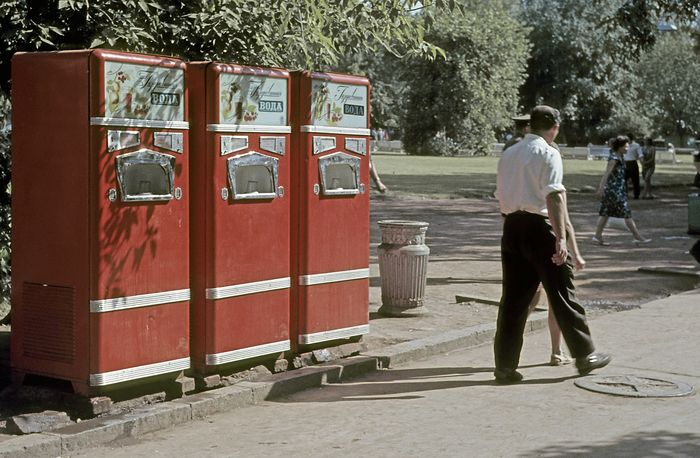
x: 5, y: 214
x: 434, y: 146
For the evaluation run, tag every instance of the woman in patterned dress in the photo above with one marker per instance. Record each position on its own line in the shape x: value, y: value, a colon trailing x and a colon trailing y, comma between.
x: 613, y: 193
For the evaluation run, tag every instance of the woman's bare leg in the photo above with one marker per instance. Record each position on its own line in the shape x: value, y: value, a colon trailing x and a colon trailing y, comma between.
x: 600, y: 226
x: 633, y: 229
x: 554, y: 331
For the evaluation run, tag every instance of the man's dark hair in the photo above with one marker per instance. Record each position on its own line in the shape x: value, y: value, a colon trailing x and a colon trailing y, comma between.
x: 544, y: 118
x: 619, y: 142
x: 631, y: 137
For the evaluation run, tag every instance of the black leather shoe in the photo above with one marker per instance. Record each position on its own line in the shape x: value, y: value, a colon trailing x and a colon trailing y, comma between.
x: 591, y: 362
x: 507, y: 376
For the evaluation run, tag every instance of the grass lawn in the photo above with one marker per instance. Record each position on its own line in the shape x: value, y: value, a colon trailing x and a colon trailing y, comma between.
x: 475, y: 176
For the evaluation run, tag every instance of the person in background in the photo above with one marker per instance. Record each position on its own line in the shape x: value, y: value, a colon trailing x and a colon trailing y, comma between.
x: 613, y: 194
x: 375, y: 177
x: 696, y: 163
x: 537, y: 237
x: 631, y: 157
x: 522, y: 128
x: 648, y: 166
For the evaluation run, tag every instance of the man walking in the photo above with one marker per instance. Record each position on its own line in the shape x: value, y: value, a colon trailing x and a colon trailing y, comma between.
x: 634, y: 153
x: 537, y: 237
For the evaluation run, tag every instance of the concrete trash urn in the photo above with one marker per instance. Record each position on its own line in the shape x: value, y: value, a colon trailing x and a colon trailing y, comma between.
x: 403, y: 267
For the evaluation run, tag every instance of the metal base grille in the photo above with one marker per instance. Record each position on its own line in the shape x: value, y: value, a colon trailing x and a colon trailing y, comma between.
x: 48, y: 325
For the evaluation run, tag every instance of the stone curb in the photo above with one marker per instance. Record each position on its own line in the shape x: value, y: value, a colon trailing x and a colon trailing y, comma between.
x: 415, y: 350
x: 100, y: 431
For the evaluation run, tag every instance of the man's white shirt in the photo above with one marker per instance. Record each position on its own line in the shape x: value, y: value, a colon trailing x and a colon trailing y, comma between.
x: 527, y: 172
x: 634, y: 153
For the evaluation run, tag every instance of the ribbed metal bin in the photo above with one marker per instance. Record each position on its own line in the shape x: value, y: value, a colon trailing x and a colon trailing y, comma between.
x: 403, y: 267
x: 694, y: 214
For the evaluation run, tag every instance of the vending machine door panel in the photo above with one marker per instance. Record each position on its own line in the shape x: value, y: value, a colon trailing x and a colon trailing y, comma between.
x: 241, y: 303
x: 331, y: 211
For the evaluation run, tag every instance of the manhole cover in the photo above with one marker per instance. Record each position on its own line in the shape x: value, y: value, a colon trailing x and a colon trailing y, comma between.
x: 634, y: 385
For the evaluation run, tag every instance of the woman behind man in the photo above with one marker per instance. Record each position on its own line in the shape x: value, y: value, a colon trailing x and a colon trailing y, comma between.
x: 648, y: 166
x: 613, y: 194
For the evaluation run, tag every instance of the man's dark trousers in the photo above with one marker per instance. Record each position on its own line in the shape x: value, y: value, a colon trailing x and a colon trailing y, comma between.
x: 527, y: 247
x: 633, y: 174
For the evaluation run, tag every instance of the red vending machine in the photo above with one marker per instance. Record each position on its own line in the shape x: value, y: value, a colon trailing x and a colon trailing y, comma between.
x: 239, y: 215
x: 330, y: 209
x: 100, y: 217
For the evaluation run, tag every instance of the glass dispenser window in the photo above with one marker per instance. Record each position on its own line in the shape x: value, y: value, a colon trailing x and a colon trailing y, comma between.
x: 340, y: 174
x: 146, y: 175
x: 253, y: 176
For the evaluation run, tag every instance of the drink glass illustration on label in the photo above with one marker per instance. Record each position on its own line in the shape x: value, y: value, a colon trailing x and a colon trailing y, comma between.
x: 247, y: 99
x: 339, y: 104
x: 144, y: 92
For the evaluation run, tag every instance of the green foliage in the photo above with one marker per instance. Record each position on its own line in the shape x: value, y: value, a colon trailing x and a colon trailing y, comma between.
x: 577, y: 68
x: 309, y: 34
x: 383, y: 70
x: 5, y: 189
x: 635, y: 21
x: 582, y: 62
x: 669, y: 75
x: 473, y: 90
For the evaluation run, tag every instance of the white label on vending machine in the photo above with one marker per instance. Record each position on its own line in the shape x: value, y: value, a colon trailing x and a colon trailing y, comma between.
x: 252, y: 100
x: 339, y: 104
x: 144, y: 92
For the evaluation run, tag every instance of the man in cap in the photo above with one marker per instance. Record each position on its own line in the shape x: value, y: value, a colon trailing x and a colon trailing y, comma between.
x: 537, y: 237
x: 522, y: 128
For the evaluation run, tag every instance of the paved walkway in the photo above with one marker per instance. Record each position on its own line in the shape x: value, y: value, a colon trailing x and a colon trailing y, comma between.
x: 448, y: 405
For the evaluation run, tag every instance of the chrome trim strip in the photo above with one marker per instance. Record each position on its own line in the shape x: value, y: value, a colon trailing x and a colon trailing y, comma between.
x: 172, y: 141
x: 247, y: 353
x: 238, y: 128
x: 335, y: 130
x: 248, y: 288
x: 356, y: 145
x: 142, y: 300
x: 323, y: 144
x: 126, y: 122
x: 333, y: 277
x: 118, y: 140
x: 308, y: 339
x: 133, y: 373
x: 233, y: 143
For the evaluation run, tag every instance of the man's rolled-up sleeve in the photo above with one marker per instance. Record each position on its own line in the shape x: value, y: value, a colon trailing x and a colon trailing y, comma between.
x: 553, y: 174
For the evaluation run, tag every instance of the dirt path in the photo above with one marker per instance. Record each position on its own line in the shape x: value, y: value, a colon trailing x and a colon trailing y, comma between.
x: 464, y: 239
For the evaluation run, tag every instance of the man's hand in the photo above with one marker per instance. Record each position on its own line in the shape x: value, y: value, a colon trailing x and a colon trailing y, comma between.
x: 562, y: 252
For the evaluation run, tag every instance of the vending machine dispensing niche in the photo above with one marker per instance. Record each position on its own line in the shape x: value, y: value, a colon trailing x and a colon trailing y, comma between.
x: 240, y: 213
x: 100, y: 218
x: 330, y: 208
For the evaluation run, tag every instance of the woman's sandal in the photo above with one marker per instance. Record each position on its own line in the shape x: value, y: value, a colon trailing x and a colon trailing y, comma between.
x: 600, y: 241
x: 560, y: 359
